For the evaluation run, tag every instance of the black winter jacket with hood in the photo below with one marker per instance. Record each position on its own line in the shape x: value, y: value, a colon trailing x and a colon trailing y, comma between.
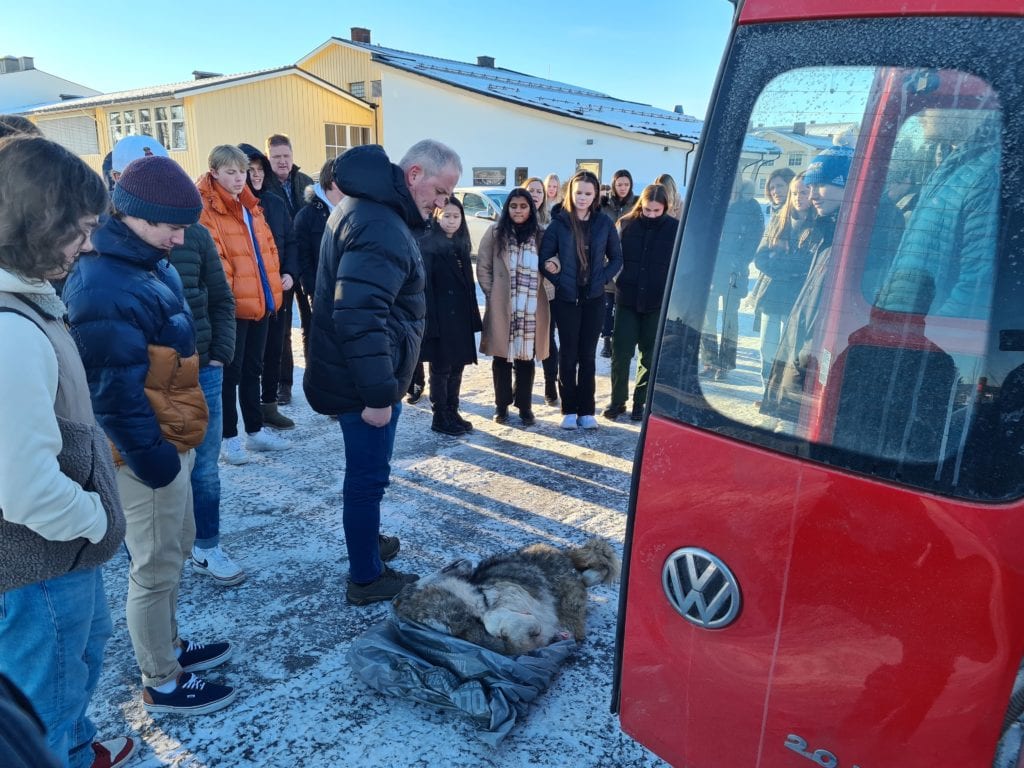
x: 369, y: 305
x: 277, y: 212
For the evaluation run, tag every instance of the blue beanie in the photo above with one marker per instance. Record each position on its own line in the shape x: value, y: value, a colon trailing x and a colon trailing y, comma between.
x: 830, y: 167
x: 157, y: 189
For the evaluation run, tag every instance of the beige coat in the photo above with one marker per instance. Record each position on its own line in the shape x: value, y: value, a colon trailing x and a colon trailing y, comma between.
x: 493, y: 276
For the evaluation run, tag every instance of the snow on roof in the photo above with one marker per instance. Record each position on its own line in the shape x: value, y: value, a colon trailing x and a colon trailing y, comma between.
x: 552, y: 96
x: 820, y: 143
x: 177, y: 90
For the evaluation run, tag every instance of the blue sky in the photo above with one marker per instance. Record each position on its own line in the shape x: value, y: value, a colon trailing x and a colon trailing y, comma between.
x: 660, y: 52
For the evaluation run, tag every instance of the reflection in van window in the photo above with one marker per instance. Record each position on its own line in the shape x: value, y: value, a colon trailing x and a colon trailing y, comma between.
x: 858, y: 325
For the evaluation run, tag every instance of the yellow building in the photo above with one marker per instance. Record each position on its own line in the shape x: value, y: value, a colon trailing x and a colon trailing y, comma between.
x: 191, y: 118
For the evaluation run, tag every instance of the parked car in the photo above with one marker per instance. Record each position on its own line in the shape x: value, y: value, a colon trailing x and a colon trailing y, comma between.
x: 840, y: 581
x: 483, y: 207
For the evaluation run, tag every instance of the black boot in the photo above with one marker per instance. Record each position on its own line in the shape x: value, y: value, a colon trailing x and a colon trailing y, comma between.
x: 550, y: 392
x: 445, y: 424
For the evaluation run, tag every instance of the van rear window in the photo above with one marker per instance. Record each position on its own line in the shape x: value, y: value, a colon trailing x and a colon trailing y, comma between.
x: 861, y: 301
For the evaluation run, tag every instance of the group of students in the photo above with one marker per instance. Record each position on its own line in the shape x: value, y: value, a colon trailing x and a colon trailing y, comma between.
x: 586, y: 264
x: 120, y: 393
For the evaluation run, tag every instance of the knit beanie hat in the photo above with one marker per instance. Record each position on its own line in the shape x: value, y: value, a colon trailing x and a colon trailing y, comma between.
x: 157, y: 189
x: 830, y: 167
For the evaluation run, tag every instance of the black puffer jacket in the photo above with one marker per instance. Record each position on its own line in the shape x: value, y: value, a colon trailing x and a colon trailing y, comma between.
x: 605, y: 256
x: 277, y: 211
x: 453, y: 317
x: 208, y: 295
x: 369, y: 306
x: 310, y: 223
x: 646, y: 254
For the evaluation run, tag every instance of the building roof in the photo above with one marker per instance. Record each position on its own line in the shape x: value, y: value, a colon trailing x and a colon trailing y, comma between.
x: 187, y: 88
x: 548, y: 95
x: 26, y: 88
x: 818, y: 143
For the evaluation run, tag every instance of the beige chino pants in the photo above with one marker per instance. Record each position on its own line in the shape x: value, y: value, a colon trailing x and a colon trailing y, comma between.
x: 159, y: 536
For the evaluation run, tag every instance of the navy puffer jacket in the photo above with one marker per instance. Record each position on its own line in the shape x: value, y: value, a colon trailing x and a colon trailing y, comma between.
x: 646, y: 255
x: 369, y: 305
x: 605, y: 255
x: 137, y: 341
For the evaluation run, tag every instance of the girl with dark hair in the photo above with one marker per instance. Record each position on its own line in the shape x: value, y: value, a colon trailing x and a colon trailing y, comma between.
x: 580, y: 254
x: 648, y: 235
x: 453, y: 318
x: 61, y: 512
x: 516, y: 316
x: 619, y: 202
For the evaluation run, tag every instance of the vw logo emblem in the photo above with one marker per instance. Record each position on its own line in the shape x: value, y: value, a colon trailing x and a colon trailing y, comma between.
x: 701, y: 588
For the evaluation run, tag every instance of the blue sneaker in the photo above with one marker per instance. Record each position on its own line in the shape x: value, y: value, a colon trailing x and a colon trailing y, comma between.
x: 196, y: 656
x: 191, y: 696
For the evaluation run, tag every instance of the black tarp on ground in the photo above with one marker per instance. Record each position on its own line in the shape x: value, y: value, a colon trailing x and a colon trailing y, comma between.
x: 411, y: 661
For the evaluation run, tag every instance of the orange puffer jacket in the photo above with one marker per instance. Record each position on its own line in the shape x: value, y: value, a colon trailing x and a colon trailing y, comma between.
x: 222, y: 215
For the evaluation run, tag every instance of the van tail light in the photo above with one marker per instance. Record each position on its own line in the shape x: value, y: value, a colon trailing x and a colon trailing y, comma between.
x: 1010, y: 753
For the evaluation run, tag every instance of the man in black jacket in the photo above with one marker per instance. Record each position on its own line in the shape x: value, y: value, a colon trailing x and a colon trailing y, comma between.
x: 368, y: 315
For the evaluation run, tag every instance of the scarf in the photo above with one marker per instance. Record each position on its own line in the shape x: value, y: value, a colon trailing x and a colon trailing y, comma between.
x: 524, y: 280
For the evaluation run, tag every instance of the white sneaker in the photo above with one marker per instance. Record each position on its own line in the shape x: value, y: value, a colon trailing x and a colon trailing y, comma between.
x: 569, y: 421
x: 232, y: 452
x: 217, y: 565
x: 588, y: 422
x: 265, y: 440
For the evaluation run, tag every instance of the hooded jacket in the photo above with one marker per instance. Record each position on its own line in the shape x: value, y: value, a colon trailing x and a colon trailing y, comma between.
x: 310, y: 223
x: 137, y: 341
x: 277, y: 212
x: 59, y: 506
x: 369, y: 305
x: 250, y: 281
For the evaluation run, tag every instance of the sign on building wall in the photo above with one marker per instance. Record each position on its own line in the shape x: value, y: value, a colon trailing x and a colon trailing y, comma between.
x: 489, y: 177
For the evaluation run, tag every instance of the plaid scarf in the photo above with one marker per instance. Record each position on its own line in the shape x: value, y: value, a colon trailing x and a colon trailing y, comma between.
x: 524, y: 279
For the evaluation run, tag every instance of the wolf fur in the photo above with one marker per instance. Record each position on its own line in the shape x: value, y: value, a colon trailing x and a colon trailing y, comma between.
x: 512, y: 602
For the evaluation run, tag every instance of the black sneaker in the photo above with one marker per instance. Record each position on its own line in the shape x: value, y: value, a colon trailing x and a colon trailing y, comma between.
x: 415, y: 393
x: 637, y: 414
x: 527, y: 417
x: 389, y: 546
x: 384, y: 587
x: 501, y: 414
x: 467, y: 425
x: 191, y: 696
x: 197, y: 656
x: 613, y: 411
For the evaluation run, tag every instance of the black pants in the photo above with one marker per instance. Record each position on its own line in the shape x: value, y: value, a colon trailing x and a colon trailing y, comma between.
x: 242, y: 377
x: 419, y: 378
x: 445, y: 383
x: 279, y: 333
x: 521, y: 394
x: 550, y: 362
x: 579, y: 327
x: 609, y: 315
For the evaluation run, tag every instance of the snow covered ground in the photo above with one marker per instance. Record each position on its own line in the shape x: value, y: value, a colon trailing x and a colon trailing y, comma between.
x: 299, y: 704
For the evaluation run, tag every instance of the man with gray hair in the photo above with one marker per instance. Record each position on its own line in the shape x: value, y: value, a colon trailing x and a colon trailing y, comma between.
x: 367, y: 325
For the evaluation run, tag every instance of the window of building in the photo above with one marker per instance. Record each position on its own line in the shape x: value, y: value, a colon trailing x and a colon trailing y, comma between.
x: 796, y: 161
x: 375, y: 91
x: 357, y: 89
x: 165, y: 123
x: 338, y: 138
x: 594, y: 166
x: 768, y: 163
x: 77, y: 134
x: 522, y: 174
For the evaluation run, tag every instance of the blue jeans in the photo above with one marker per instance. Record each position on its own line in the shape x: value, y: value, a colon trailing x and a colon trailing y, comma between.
x: 52, y: 635
x: 367, y: 473
x: 206, y: 474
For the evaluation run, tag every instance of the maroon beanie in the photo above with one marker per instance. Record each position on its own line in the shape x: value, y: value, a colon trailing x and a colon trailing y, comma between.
x: 157, y: 189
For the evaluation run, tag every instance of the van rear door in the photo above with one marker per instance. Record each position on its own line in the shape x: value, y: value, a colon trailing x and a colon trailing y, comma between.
x: 830, y: 569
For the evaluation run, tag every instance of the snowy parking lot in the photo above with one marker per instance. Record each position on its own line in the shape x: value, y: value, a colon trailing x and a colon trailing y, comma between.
x: 299, y: 703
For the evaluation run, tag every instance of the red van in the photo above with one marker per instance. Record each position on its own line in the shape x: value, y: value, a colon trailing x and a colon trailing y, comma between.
x: 825, y: 545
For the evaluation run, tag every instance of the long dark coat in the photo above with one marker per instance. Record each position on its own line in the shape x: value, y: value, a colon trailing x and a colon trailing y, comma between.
x: 453, y: 316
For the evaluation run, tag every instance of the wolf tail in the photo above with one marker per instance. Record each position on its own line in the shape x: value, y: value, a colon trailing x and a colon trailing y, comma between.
x: 596, y: 561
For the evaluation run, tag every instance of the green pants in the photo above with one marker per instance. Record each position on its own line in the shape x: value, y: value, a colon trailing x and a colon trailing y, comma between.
x: 632, y: 329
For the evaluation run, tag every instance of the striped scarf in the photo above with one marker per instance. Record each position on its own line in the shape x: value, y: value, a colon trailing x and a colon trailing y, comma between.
x: 524, y: 279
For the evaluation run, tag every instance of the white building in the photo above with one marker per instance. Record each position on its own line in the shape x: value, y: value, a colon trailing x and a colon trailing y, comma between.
x: 22, y: 86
